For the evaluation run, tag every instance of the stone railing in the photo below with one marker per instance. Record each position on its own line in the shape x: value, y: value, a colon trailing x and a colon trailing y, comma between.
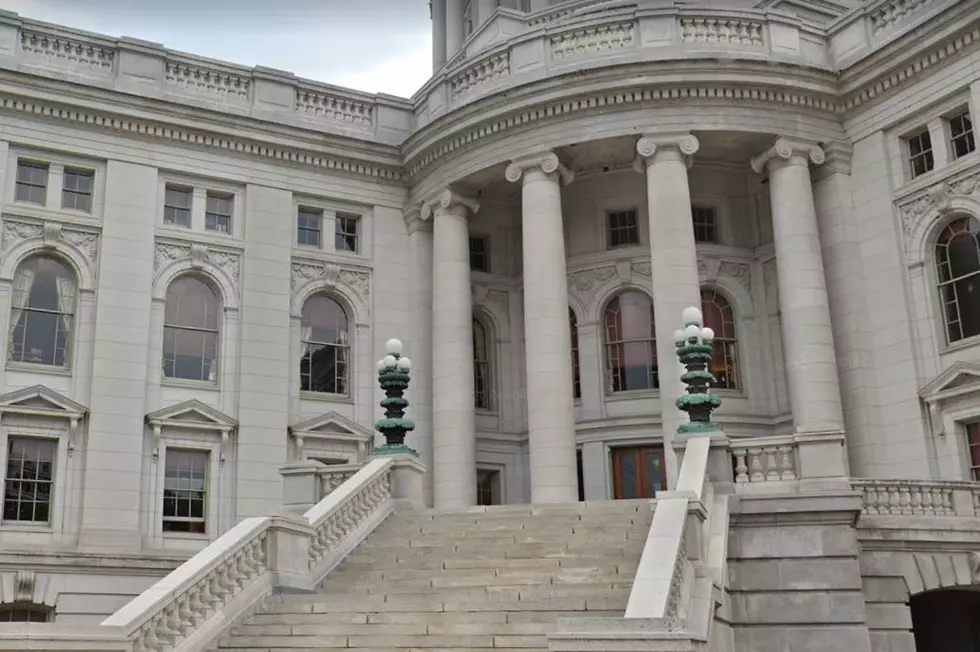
x: 764, y: 459
x: 916, y: 497
x: 150, y: 70
x: 784, y: 463
x: 189, y: 608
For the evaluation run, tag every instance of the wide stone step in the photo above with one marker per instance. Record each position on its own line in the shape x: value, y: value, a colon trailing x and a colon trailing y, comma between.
x: 427, y: 617
x: 397, y: 629
x: 432, y: 602
x: 446, y: 577
x: 389, y: 641
x: 434, y: 563
x: 498, y: 549
x: 502, y: 593
x: 476, y: 527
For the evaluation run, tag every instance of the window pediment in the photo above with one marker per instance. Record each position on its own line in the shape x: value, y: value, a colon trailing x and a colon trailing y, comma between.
x: 38, y: 400
x: 192, y: 414
x: 960, y: 378
x: 331, y: 426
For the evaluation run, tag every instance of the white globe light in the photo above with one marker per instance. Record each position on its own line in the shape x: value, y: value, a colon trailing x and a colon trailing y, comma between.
x: 390, y: 361
x: 691, y: 315
x: 679, y: 336
x: 707, y: 334
x: 692, y: 331
x: 381, y: 365
x: 404, y: 364
x: 393, y: 346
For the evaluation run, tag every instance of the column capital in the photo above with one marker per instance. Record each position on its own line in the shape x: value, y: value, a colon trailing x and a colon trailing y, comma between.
x: 450, y: 201
x: 545, y: 162
x: 784, y: 149
x: 685, y: 143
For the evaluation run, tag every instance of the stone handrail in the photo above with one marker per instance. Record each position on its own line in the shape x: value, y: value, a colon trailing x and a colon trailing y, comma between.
x: 332, y: 476
x: 189, y: 608
x: 917, y: 497
x: 764, y: 459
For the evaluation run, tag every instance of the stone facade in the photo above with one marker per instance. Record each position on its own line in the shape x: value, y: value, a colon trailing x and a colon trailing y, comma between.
x: 531, y: 223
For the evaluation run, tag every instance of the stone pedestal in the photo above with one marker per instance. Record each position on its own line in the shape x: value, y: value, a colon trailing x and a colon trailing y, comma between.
x: 407, y: 482
x: 289, y: 552
x: 301, y: 485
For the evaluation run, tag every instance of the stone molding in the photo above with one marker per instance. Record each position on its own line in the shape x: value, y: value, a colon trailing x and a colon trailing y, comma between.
x: 449, y: 201
x: 546, y: 163
x: 648, y: 146
x: 784, y: 149
x: 198, y: 256
x: 314, y: 275
x: 921, y: 210
x: 81, y: 246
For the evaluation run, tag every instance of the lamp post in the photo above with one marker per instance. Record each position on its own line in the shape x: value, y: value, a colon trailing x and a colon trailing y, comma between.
x: 694, y: 351
x: 393, y: 377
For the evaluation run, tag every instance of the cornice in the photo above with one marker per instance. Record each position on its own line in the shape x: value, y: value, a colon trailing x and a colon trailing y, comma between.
x: 113, y: 116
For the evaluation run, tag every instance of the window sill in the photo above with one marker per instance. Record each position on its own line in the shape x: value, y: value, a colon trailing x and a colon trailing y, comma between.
x: 730, y: 393
x: 485, y: 412
x: 30, y: 367
x: 185, y: 536
x: 632, y: 395
x: 325, y: 397
x: 27, y: 527
x: 184, y: 383
x: 960, y: 345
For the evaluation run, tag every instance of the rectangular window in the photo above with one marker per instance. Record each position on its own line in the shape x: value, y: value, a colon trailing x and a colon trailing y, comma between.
x: 346, y: 233
x: 76, y: 193
x: 487, y: 487
x: 623, y: 228
x: 973, y: 449
x: 30, y: 479
x: 704, y: 224
x: 185, y: 491
x: 920, y: 153
x: 308, y: 229
x: 177, y: 206
x: 479, y: 254
x: 961, y: 138
x: 638, y: 472
x: 32, y: 182
x: 217, y: 215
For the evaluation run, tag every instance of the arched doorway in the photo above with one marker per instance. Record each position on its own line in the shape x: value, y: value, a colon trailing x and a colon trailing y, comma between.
x: 947, y: 620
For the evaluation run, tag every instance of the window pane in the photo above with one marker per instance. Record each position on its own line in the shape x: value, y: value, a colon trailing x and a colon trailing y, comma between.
x: 323, y: 365
x: 346, y: 233
x: 29, y: 479
x: 185, y: 491
x: 191, y: 303
x: 42, y: 309
x: 32, y: 182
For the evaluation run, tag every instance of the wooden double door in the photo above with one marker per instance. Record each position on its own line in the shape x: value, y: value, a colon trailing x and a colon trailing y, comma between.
x: 638, y: 472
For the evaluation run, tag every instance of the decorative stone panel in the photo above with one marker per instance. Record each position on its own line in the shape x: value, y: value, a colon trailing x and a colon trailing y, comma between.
x: 228, y: 262
x: 208, y: 81
x: 334, y: 108
x: 332, y: 274
x: 15, y: 232
x: 58, y: 50
x: 593, y: 39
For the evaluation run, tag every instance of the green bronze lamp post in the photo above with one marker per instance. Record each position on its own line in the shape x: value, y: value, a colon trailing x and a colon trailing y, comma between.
x: 393, y: 377
x: 694, y: 351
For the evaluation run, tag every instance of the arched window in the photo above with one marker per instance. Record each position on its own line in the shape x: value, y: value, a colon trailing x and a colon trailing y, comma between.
x: 631, y: 344
x: 576, y: 377
x: 481, y: 366
x: 190, y: 331
x: 719, y: 317
x: 25, y: 613
x: 958, y: 266
x: 326, y: 347
x: 42, y: 312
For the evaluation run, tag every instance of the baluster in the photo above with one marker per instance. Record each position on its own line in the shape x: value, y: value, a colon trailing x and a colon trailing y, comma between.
x: 755, y: 463
x: 905, y: 499
x: 947, y: 501
x: 787, y: 466
x: 928, y: 501
x: 741, y: 470
x: 772, y: 467
x: 869, y: 500
x: 894, y: 501
x: 916, y: 499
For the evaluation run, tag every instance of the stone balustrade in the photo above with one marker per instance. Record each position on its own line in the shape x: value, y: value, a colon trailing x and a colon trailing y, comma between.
x: 189, y: 608
x: 917, y: 497
x: 148, y: 69
x: 764, y: 459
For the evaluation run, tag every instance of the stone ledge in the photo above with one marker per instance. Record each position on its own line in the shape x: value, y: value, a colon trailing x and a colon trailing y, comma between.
x: 622, y: 635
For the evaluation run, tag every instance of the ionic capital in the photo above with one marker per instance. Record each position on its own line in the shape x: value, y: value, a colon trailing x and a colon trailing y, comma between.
x: 647, y: 148
x: 784, y: 150
x: 449, y: 201
x: 546, y: 163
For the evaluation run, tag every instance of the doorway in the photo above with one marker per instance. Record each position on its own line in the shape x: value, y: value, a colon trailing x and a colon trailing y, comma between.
x: 638, y: 472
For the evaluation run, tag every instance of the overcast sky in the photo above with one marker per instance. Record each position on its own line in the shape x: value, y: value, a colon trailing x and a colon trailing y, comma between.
x: 378, y: 46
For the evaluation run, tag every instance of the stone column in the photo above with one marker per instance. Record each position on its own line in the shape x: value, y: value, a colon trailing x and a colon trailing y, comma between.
x: 438, y: 11
x: 808, y: 340
x: 453, y: 411
x: 550, y: 404
x: 665, y: 159
x: 454, y: 27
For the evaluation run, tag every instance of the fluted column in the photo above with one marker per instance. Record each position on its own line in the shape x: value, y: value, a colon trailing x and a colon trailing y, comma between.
x: 438, y: 10
x: 551, y: 416
x: 454, y: 27
x: 453, y: 411
x: 808, y: 340
x: 665, y: 159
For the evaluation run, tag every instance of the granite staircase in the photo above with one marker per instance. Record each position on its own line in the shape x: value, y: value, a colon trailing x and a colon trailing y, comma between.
x: 484, y: 578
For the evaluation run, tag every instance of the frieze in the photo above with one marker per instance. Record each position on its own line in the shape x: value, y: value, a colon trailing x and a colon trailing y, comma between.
x: 331, y: 275
x: 14, y: 232
x: 227, y: 261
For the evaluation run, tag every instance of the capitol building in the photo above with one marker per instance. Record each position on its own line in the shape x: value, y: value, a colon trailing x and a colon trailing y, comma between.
x: 201, y: 264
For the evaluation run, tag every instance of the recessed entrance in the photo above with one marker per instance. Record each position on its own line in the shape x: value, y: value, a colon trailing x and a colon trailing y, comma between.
x: 638, y: 472
x: 946, y: 621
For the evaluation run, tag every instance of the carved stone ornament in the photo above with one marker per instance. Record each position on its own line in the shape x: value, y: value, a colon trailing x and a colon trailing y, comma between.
x: 587, y: 279
x: 227, y: 261
x: 495, y: 300
x: 449, y: 201
x: 331, y: 275
x: 938, y: 199
x: 50, y: 234
x: 648, y: 146
x: 24, y: 582
x: 784, y: 149
x: 546, y: 163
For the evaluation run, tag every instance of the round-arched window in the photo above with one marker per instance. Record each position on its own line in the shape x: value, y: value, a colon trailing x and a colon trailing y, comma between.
x: 190, y: 331
x: 42, y: 312
x: 324, y: 364
x: 958, y: 269
x: 482, y: 394
x: 631, y: 343
x: 573, y: 334
x: 719, y: 317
